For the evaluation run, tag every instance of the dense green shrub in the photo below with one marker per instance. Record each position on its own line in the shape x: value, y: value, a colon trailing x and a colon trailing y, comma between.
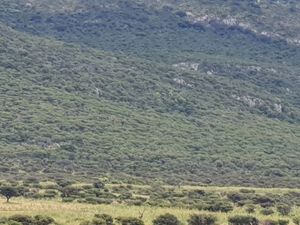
x: 283, y: 222
x: 107, y: 218
x: 267, y: 212
x: 28, y: 220
x: 69, y: 191
x: 250, y: 208
x: 219, y: 206
x: 200, y: 219
x: 24, y: 220
x: 99, y: 185
x: 284, y: 210
x: 269, y: 222
x: 70, y: 199
x: 95, y: 200
x: 296, y: 220
x: 243, y: 220
x: 129, y: 221
x: 98, y: 221
x: 43, y: 220
x: 263, y: 201
x: 166, y: 219
x: 95, y: 221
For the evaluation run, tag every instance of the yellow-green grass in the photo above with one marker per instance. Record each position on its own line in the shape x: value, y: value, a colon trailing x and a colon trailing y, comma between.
x: 74, y: 213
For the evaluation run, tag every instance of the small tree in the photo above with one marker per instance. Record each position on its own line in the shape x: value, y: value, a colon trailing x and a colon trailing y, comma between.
x: 202, y: 220
x: 9, y: 192
x: 166, y: 219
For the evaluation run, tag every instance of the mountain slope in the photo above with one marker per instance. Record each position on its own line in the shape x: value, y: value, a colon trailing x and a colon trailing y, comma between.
x: 79, y: 106
x: 163, y: 34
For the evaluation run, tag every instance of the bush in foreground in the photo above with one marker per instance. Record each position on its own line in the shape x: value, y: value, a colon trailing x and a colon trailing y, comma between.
x: 284, y: 210
x: 28, y: 220
x: 243, y: 220
x: 250, y: 209
x: 166, y: 219
x: 296, y: 220
x: 202, y: 220
x: 107, y: 218
x: 269, y: 222
x: 267, y: 212
x: 283, y: 222
x: 129, y: 221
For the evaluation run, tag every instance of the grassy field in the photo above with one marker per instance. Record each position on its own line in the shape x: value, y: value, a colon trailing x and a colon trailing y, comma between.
x: 75, y: 213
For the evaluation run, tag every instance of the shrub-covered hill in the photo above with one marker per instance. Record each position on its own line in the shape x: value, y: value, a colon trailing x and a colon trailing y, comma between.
x: 78, y: 112
x: 165, y: 32
x: 137, y: 90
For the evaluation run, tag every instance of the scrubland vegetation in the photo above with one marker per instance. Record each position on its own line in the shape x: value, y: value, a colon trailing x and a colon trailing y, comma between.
x: 75, y: 203
x: 138, y: 112
x: 80, y: 104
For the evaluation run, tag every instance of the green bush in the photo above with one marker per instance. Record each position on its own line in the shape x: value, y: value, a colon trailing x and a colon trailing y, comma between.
x: 68, y: 199
x: 267, y: 212
x: 24, y: 220
x: 43, y: 220
x: 219, y: 206
x: 98, y: 221
x: 129, y: 221
x: 284, y: 210
x: 95, y: 200
x: 198, y: 219
x: 296, y: 220
x: 166, y: 219
x: 283, y: 222
x: 250, y: 208
x: 28, y: 220
x: 107, y: 218
x: 269, y: 222
x: 243, y: 220
x: 95, y: 221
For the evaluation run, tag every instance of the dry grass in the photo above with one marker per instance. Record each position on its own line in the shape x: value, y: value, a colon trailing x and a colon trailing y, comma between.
x: 74, y: 213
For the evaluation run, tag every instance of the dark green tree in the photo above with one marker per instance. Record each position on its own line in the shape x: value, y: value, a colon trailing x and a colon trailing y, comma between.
x: 8, y: 192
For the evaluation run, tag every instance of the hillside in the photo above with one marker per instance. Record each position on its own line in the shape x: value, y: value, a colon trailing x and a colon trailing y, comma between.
x: 137, y: 92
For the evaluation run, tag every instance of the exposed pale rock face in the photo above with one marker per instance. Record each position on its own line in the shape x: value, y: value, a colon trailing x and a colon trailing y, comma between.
x: 187, y: 66
x: 182, y: 82
x: 230, y: 21
x: 278, y: 107
x: 256, y: 102
x: 251, y: 101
